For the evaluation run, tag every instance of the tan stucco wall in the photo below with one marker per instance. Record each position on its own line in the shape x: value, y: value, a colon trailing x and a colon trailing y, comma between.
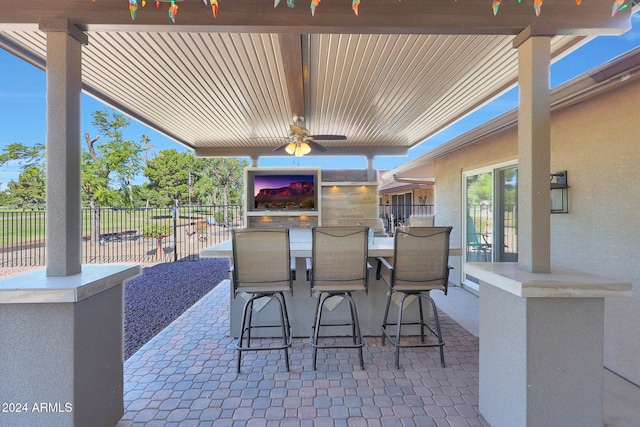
x: 598, y: 143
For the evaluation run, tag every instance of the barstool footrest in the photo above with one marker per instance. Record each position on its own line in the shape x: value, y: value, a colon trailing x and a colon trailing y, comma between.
x: 358, y: 341
x: 391, y: 339
x: 284, y: 325
x: 396, y: 337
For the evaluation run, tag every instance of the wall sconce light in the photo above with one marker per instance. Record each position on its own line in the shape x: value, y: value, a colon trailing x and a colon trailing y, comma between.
x: 559, y: 192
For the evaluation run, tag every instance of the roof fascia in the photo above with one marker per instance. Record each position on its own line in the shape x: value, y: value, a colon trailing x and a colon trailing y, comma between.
x: 620, y: 71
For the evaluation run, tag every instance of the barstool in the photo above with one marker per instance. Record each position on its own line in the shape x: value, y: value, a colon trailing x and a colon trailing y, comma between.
x: 420, y: 265
x: 338, y: 268
x: 262, y: 269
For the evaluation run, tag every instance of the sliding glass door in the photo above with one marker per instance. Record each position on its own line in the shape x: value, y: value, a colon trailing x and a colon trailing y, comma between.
x: 490, y: 226
x: 507, y: 216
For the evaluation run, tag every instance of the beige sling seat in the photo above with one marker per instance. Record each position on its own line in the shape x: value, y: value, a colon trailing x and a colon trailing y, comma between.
x: 262, y: 269
x: 420, y: 265
x: 338, y: 268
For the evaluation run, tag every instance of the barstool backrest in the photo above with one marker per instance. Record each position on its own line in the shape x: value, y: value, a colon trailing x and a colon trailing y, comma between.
x: 339, y: 259
x: 421, y: 256
x: 261, y: 260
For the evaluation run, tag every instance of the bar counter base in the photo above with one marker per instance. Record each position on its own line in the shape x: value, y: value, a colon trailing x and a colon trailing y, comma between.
x: 541, y: 356
x: 62, y: 362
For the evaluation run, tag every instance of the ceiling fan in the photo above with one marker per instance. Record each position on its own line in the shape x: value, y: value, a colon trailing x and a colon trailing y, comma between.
x: 299, y: 142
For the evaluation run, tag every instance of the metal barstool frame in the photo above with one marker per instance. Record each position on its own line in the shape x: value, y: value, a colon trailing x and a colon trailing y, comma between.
x: 253, y: 288
x: 247, y: 311
x: 421, y: 294
x: 325, y: 294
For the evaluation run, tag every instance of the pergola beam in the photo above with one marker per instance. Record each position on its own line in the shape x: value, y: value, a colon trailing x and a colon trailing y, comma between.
x: 291, y: 51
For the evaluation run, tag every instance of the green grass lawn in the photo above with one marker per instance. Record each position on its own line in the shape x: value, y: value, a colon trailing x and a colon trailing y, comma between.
x: 17, y: 227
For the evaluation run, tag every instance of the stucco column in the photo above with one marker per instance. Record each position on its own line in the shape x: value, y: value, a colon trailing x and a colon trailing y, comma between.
x: 371, y: 171
x: 64, y: 153
x: 534, y: 135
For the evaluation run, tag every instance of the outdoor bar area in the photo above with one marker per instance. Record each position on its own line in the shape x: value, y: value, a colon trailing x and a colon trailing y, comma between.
x: 542, y: 328
x: 343, y: 196
x: 542, y: 333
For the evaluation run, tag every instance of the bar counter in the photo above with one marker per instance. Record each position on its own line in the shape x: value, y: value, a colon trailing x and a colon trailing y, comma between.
x: 302, y: 305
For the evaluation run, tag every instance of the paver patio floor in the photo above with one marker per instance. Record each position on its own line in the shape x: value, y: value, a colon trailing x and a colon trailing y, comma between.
x: 186, y: 376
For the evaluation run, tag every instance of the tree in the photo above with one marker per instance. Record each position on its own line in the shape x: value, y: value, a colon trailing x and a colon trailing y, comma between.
x: 24, y: 155
x: 479, y: 188
x: 115, y: 160
x: 147, y: 146
x: 30, y: 189
x: 226, y: 176
x: 158, y: 231
x: 5, y: 198
x: 168, y: 175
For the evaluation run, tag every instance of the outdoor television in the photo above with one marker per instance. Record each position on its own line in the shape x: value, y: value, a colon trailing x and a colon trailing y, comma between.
x: 282, y: 189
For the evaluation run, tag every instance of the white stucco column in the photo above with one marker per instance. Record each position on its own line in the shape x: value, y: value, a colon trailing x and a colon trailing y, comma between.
x: 534, y: 136
x: 64, y: 153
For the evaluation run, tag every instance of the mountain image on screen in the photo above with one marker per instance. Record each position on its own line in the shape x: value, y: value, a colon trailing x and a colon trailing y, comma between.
x: 295, y: 195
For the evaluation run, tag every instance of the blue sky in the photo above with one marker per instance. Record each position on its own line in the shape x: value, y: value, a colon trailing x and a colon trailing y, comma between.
x: 23, y: 107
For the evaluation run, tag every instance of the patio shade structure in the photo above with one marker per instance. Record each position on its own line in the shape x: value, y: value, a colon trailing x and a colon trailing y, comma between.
x: 389, y: 78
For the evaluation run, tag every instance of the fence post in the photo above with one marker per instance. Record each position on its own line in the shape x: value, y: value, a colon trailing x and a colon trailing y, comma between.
x: 175, y: 233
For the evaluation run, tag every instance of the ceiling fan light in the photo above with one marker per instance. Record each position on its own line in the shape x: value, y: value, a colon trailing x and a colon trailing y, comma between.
x: 291, y: 148
x: 299, y: 151
x: 306, y: 149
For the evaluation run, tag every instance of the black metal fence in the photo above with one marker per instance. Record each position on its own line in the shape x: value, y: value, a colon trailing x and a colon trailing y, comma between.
x: 122, y: 235
x: 482, y: 244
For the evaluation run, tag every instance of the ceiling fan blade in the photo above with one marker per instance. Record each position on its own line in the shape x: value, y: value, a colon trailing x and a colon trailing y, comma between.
x: 315, y: 146
x: 328, y: 137
x: 281, y: 147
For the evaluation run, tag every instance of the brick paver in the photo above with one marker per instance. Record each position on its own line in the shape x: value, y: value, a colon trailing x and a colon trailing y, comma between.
x: 186, y: 376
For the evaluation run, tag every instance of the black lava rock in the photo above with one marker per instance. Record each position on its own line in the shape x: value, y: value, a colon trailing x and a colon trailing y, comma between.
x: 162, y: 293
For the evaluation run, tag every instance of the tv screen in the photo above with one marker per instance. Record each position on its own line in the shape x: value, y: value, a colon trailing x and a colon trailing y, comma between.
x: 284, y: 191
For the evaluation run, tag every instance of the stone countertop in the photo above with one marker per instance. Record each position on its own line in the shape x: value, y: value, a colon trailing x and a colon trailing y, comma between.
x: 300, y: 247
x: 559, y: 283
x: 35, y: 287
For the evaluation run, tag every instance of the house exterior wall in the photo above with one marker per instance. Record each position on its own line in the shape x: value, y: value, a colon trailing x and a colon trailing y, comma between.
x: 427, y: 194
x: 448, y: 189
x: 598, y: 143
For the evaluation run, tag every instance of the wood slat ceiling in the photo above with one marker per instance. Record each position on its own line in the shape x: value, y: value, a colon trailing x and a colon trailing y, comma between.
x: 234, y: 93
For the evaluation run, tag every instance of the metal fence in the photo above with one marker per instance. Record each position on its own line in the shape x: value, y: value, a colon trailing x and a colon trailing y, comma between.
x: 121, y: 236
x: 398, y: 215
x: 482, y: 244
